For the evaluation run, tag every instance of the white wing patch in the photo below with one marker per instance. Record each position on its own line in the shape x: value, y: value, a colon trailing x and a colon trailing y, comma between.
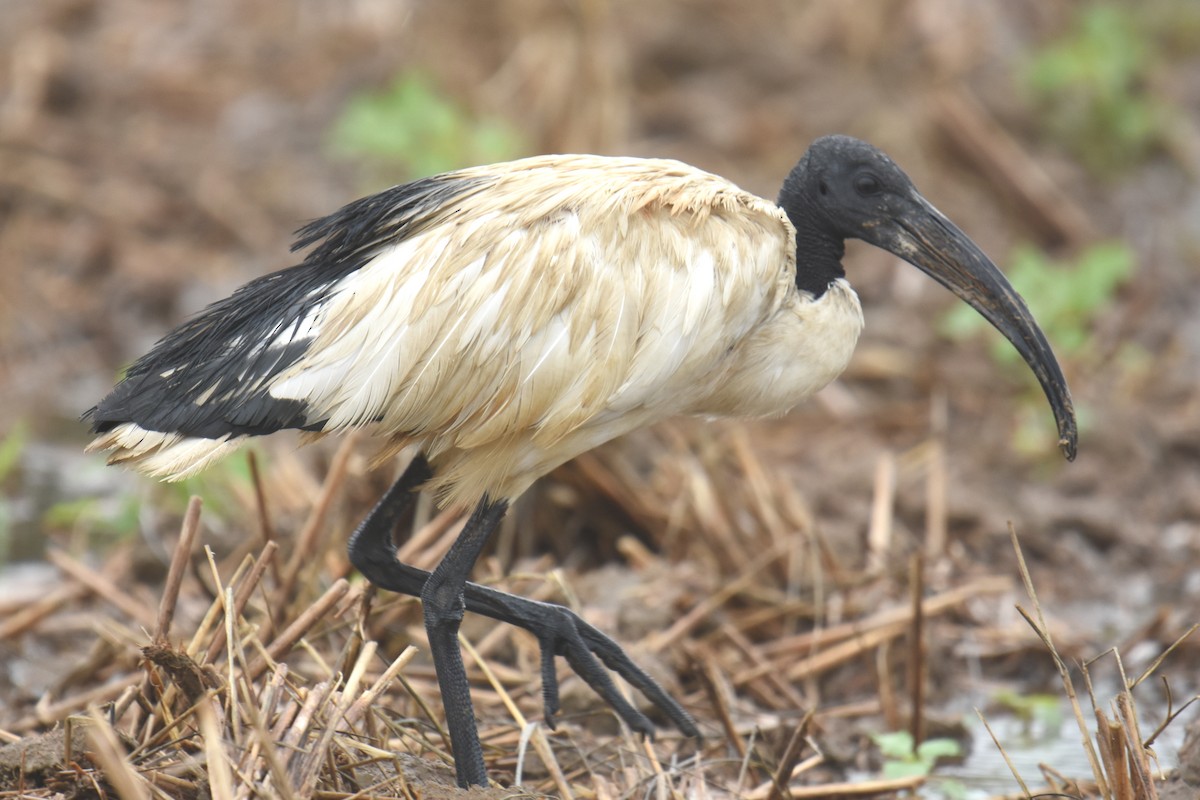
x: 169, y: 456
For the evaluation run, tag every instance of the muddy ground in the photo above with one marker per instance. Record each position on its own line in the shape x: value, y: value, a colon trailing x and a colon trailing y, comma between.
x: 154, y: 156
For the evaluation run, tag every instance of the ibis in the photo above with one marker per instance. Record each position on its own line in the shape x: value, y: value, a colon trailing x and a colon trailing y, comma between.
x: 500, y: 320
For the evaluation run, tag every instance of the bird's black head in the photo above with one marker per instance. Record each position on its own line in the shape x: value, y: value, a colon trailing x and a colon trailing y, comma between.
x: 844, y: 188
x: 847, y: 188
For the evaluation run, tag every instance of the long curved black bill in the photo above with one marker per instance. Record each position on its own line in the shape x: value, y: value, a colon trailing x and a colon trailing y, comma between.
x: 925, y: 238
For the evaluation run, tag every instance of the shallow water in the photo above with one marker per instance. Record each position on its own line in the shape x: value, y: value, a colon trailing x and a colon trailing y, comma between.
x: 985, y: 774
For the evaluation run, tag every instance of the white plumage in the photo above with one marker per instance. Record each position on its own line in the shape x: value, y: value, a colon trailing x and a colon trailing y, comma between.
x: 584, y: 297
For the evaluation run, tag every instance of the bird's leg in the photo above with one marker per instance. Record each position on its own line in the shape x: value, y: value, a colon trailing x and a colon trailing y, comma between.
x: 372, y: 538
x: 442, y: 600
x: 558, y: 629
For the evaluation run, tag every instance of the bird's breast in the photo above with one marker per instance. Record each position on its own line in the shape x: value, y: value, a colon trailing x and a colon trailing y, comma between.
x: 800, y: 350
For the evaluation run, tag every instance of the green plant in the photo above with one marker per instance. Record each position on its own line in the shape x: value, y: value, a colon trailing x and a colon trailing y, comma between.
x: 12, y: 447
x: 902, y: 760
x: 1041, y: 714
x: 227, y: 488
x: 103, y: 518
x: 413, y: 125
x: 1091, y: 87
x: 100, y: 521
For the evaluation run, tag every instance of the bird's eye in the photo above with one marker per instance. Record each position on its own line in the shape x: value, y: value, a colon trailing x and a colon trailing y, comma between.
x: 823, y: 188
x: 867, y: 184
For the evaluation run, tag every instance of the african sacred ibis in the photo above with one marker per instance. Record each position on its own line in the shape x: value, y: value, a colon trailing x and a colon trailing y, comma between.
x: 506, y: 318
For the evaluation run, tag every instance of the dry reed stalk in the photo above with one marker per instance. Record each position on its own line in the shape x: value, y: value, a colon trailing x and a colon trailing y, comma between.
x: 219, y: 770
x: 900, y: 615
x: 367, y: 699
x: 318, y: 752
x: 1110, y: 741
x: 879, y: 534
x: 103, y: 587
x: 1004, y: 754
x: 1119, y: 740
x: 245, y: 590
x: 1139, y: 763
x: 756, y: 659
x: 861, y: 636
x: 300, y: 730
x: 49, y: 713
x: 287, y: 717
x: 936, y: 509
x: 265, y: 527
x: 885, y: 686
x: 764, y: 500
x: 788, y: 760
x: 216, y: 609
x: 662, y: 786
x: 637, y: 555
x: 1043, y: 632
x: 601, y: 477
x: 781, y: 613
x: 916, y: 651
x: 299, y: 627
x: 306, y: 544
x: 425, y: 546
x: 111, y: 758
x: 704, y: 609
x: 838, y: 654
x: 1172, y: 713
x: 540, y: 743
x: 718, y: 529
x: 993, y: 150
x: 179, y: 560
x: 22, y: 621
x: 833, y: 791
x: 264, y: 747
x: 167, y: 695
x: 1158, y: 660
x: 429, y: 557
x: 716, y: 687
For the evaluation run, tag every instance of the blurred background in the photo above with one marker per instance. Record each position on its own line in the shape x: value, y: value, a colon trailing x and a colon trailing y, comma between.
x: 154, y: 156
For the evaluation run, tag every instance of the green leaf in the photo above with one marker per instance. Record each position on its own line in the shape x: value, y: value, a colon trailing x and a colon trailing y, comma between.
x: 119, y: 519
x: 894, y: 744
x: 12, y: 446
x: 893, y: 770
x: 931, y: 750
x: 411, y: 124
x: 1090, y: 86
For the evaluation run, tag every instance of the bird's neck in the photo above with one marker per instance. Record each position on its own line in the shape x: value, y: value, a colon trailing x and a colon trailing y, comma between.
x: 819, y: 248
x: 818, y: 255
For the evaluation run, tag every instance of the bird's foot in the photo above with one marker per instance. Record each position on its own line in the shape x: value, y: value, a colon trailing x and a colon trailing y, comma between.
x: 562, y: 632
x: 559, y: 631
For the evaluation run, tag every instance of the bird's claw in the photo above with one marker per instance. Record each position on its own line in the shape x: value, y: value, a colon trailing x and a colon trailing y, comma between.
x: 562, y: 632
x: 560, y: 637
